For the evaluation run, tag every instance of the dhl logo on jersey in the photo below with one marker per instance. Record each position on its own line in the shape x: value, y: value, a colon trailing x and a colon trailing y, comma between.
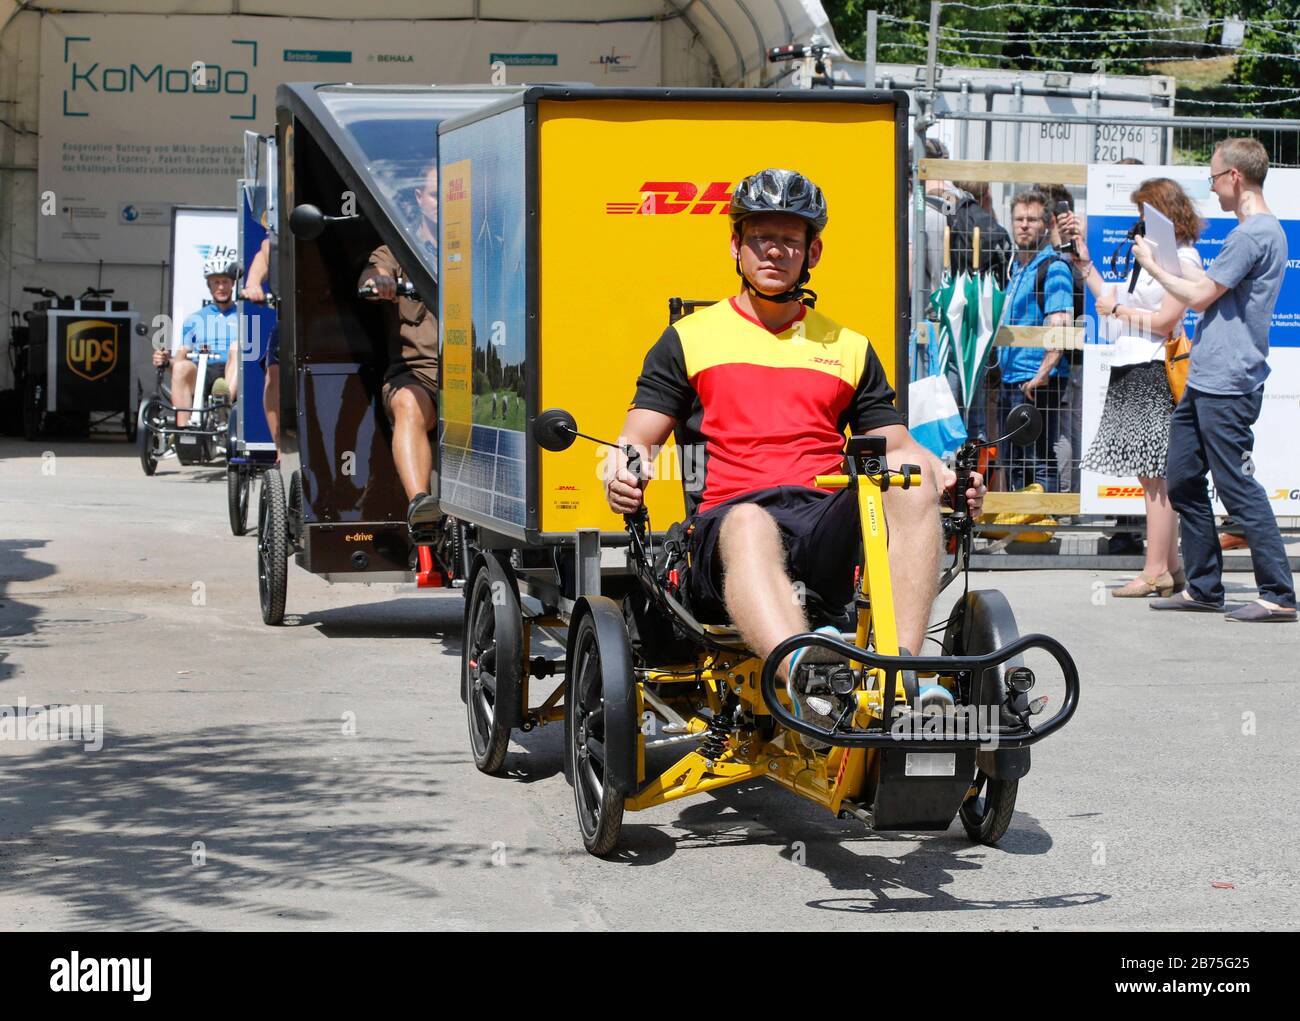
x: 1118, y: 492
x: 666, y: 198
x: 91, y: 349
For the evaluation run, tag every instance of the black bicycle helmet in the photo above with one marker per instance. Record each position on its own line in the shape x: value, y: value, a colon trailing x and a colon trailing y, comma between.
x: 781, y: 191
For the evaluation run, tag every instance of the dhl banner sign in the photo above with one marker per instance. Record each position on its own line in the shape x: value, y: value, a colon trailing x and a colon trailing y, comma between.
x: 1272, y: 460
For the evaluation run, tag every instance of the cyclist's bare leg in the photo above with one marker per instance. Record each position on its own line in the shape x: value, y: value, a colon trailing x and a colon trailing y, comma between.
x: 413, y: 417
x: 184, y: 374
x: 271, y: 402
x: 759, y: 596
x: 915, y: 538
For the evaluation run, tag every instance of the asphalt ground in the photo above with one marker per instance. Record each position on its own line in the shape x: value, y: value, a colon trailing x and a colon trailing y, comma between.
x: 317, y: 775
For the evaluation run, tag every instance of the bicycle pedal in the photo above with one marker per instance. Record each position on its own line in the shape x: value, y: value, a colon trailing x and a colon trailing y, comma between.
x: 821, y: 706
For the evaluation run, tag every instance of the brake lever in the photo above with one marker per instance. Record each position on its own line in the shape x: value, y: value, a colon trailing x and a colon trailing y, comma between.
x: 638, y: 519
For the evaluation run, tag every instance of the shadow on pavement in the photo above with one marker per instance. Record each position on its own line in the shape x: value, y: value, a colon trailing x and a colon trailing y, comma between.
x: 113, y: 837
x: 423, y: 616
x: 805, y: 834
x: 17, y: 618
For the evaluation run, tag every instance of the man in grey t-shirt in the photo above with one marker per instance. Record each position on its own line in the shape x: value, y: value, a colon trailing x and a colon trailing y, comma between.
x: 1211, y: 429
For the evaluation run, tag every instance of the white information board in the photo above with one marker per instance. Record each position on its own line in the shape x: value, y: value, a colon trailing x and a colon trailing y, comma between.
x: 198, y: 233
x: 1110, y: 215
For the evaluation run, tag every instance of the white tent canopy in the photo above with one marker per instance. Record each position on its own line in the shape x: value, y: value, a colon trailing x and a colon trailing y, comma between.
x: 735, y: 34
x: 689, y: 43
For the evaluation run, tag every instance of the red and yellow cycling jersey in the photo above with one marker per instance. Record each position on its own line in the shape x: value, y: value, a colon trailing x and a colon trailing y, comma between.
x: 765, y: 408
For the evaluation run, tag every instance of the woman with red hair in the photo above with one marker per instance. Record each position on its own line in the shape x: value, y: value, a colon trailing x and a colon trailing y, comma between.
x: 1133, y: 437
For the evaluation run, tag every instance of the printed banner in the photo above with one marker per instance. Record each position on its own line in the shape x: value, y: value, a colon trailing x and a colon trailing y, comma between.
x: 1111, y: 214
x: 141, y: 113
x: 200, y: 234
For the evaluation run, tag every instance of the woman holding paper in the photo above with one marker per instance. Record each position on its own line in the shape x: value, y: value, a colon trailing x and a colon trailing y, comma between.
x: 1133, y: 436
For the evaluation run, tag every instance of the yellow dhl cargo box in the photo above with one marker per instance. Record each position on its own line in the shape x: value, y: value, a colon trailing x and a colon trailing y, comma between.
x: 570, y: 216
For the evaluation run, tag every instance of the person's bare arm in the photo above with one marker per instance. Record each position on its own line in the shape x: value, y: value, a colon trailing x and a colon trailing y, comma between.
x: 1049, y: 359
x: 258, y: 270
x: 1197, y: 293
x: 647, y: 431
x: 901, y: 448
x: 1159, y: 323
x: 380, y: 273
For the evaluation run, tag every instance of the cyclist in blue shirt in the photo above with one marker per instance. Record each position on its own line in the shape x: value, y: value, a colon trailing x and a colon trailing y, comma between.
x: 1040, y: 292
x: 213, y: 328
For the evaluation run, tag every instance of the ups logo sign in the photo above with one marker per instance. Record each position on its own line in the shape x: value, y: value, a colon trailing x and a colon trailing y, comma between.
x: 91, y: 348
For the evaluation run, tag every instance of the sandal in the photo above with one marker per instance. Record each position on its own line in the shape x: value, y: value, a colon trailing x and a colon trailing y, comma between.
x: 1144, y: 585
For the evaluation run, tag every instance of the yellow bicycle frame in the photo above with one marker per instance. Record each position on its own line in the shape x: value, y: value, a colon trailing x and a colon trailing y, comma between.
x: 828, y: 778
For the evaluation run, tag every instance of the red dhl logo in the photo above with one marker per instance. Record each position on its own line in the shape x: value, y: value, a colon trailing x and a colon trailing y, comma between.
x: 1111, y: 492
x: 665, y: 198
x: 567, y: 489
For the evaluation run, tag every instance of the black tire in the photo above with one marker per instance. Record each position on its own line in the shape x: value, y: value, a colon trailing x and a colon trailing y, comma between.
x: 272, y: 548
x: 295, y: 508
x: 492, y: 663
x: 129, y: 426
x: 596, y: 666
x: 145, y: 436
x: 986, y: 815
x: 988, y: 623
x: 239, y: 482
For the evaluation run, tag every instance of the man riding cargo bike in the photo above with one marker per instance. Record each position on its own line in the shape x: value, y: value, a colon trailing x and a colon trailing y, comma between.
x: 760, y: 520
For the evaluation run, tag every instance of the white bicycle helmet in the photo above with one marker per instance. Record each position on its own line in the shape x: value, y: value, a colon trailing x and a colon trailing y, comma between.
x: 220, y: 265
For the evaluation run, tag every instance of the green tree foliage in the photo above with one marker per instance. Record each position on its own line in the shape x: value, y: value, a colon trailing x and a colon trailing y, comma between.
x: 1040, y: 35
x: 1180, y: 38
x: 1269, y: 59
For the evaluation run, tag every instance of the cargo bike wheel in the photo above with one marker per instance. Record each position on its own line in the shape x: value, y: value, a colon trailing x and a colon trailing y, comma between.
x: 239, y: 483
x: 272, y: 547
x: 987, y: 623
x: 600, y: 721
x: 150, y: 419
x: 492, y: 662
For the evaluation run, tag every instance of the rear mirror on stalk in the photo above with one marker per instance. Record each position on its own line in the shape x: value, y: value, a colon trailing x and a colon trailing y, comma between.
x: 1024, y: 425
x: 555, y: 429
x: 307, y: 222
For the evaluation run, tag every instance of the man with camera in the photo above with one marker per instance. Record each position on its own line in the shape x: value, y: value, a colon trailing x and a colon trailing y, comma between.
x: 1040, y: 292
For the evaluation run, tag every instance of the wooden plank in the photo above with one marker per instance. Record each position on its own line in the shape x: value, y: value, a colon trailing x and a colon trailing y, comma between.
x: 1031, y: 503
x: 1053, y: 338
x: 1014, y: 173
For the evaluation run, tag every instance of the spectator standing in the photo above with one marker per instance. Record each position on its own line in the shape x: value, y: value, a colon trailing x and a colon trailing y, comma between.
x: 1040, y: 292
x: 1212, y: 425
x: 1069, y: 446
x: 1133, y: 435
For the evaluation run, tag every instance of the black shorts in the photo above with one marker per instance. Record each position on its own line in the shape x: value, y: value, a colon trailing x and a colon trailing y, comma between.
x: 821, y: 535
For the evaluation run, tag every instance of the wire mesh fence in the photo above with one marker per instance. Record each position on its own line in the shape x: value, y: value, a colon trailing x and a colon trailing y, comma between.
x: 1053, y: 462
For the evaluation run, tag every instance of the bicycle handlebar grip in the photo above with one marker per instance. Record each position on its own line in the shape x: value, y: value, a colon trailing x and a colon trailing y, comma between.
x: 959, y: 505
x: 633, y: 461
x: 405, y: 289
